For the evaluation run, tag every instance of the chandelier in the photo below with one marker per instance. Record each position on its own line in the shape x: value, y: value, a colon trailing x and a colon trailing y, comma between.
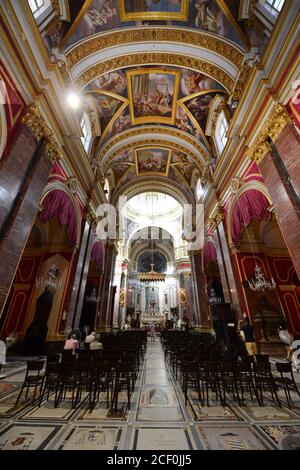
x: 258, y: 282
x: 152, y: 276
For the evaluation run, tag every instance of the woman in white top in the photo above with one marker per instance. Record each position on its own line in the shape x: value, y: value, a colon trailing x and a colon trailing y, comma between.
x: 96, y: 343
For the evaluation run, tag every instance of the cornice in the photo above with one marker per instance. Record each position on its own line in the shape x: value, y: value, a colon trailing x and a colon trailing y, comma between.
x: 34, y: 119
x: 176, y: 60
x: 194, y: 38
x: 276, y: 122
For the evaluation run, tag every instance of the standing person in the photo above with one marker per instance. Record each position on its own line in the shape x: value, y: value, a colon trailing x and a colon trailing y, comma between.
x: 286, y: 337
x: 247, y: 329
x: 152, y: 332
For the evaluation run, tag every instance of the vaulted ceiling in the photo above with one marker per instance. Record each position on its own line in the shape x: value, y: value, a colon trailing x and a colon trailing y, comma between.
x: 152, y: 72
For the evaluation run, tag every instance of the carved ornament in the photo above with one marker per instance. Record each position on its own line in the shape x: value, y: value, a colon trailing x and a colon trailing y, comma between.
x: 193, y: 38
x: 156, y: 58
x: 273, y: 127
x: 36, y: 122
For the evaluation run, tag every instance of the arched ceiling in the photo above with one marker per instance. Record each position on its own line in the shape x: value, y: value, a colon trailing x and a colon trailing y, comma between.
x: 151, y: 71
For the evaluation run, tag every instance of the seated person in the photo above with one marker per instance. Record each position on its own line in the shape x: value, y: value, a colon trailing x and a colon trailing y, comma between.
x: 96, y: 343
x: 247, y: 329
x: 72, y: 343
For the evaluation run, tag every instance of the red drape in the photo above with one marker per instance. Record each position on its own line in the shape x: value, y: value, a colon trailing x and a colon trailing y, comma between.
x: 97, y: 253
x: 57, y: 204
x: 209, y: 253
x: 252, y: 205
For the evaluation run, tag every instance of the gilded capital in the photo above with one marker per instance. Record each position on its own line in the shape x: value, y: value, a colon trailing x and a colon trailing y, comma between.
x: 36, y: 122
x: 273, y: 127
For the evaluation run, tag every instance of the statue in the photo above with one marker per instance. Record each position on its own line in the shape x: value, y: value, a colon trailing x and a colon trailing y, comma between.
x: 36, y: 334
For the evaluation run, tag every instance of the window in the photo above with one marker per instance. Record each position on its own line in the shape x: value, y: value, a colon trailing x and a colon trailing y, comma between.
x: 221, y: 131
x: 86, y: 137
x: 199, y: 189
x: 274, y: 6
x: 35, y: 5
x: 106, y: 188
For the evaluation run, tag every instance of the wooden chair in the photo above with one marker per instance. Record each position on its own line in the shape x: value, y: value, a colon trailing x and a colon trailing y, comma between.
x: 287, y: 383
x: 33, y: 378
x: 51, y: 382
x: 265, y: 381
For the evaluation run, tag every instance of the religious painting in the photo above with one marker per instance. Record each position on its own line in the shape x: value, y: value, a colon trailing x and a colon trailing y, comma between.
x: 140, y: 10
x: 120, y: 124
x: 215, y: 17
x: 184, y: 123
x: 184, y: 164
x: 193, y: 82
x: 152, y: 160
x: 95, y: 16
x: 198, y: 107
x: 153, y: 94
x: 114, y: 82
x: 107, y: 105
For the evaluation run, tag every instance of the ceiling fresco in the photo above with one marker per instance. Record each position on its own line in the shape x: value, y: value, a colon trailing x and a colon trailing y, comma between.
x: 98, y: 16
x: 152, y: 162
x: 138, y: 96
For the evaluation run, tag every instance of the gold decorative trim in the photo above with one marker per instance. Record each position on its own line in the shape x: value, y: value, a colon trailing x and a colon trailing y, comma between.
x: 152, y: 118
x: 216, y: 217
x: 154, y: 130
x: 36, y: 122
x: 276, y: 122
x: 241, y: 81
x: 142, y: 35
x: 182, y: 15
x: 152, y: 173
x: 152, y: 58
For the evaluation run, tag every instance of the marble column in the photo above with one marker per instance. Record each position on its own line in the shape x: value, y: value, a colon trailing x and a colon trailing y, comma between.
x: 285, y: 202
x: 229, y: 276
x: 107, y: 286
x: 202, y: 309
x: 288, y: 146
x: 188, y: 291
x: 81, y: 273
x: 24, y: 174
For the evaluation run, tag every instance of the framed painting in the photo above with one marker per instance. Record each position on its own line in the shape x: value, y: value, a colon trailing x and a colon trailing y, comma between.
x: 152, y: 95
x: 140, y: 10
x: 152, y: 161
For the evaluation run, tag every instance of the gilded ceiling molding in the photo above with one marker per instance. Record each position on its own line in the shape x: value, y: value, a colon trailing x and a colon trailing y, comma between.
x: 276, y: 122
x: 143, y: 35
x: 35, y: 120
x: 153, y: 58
x: 153, y: 130
x: 241, y: 81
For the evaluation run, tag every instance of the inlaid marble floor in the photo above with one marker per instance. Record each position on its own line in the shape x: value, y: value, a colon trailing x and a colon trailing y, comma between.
x: 157, y: 420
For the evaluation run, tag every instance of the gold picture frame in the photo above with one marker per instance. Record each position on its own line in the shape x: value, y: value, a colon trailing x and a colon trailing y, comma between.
x: 148, y: 118
x: 181, y: 15
x: 152, y: 173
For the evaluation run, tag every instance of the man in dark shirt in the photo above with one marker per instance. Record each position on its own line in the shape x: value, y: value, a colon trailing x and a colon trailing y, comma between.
x: 247, y: 329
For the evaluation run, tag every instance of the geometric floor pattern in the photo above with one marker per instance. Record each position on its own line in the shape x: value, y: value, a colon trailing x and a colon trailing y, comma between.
x: 158, y: 419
